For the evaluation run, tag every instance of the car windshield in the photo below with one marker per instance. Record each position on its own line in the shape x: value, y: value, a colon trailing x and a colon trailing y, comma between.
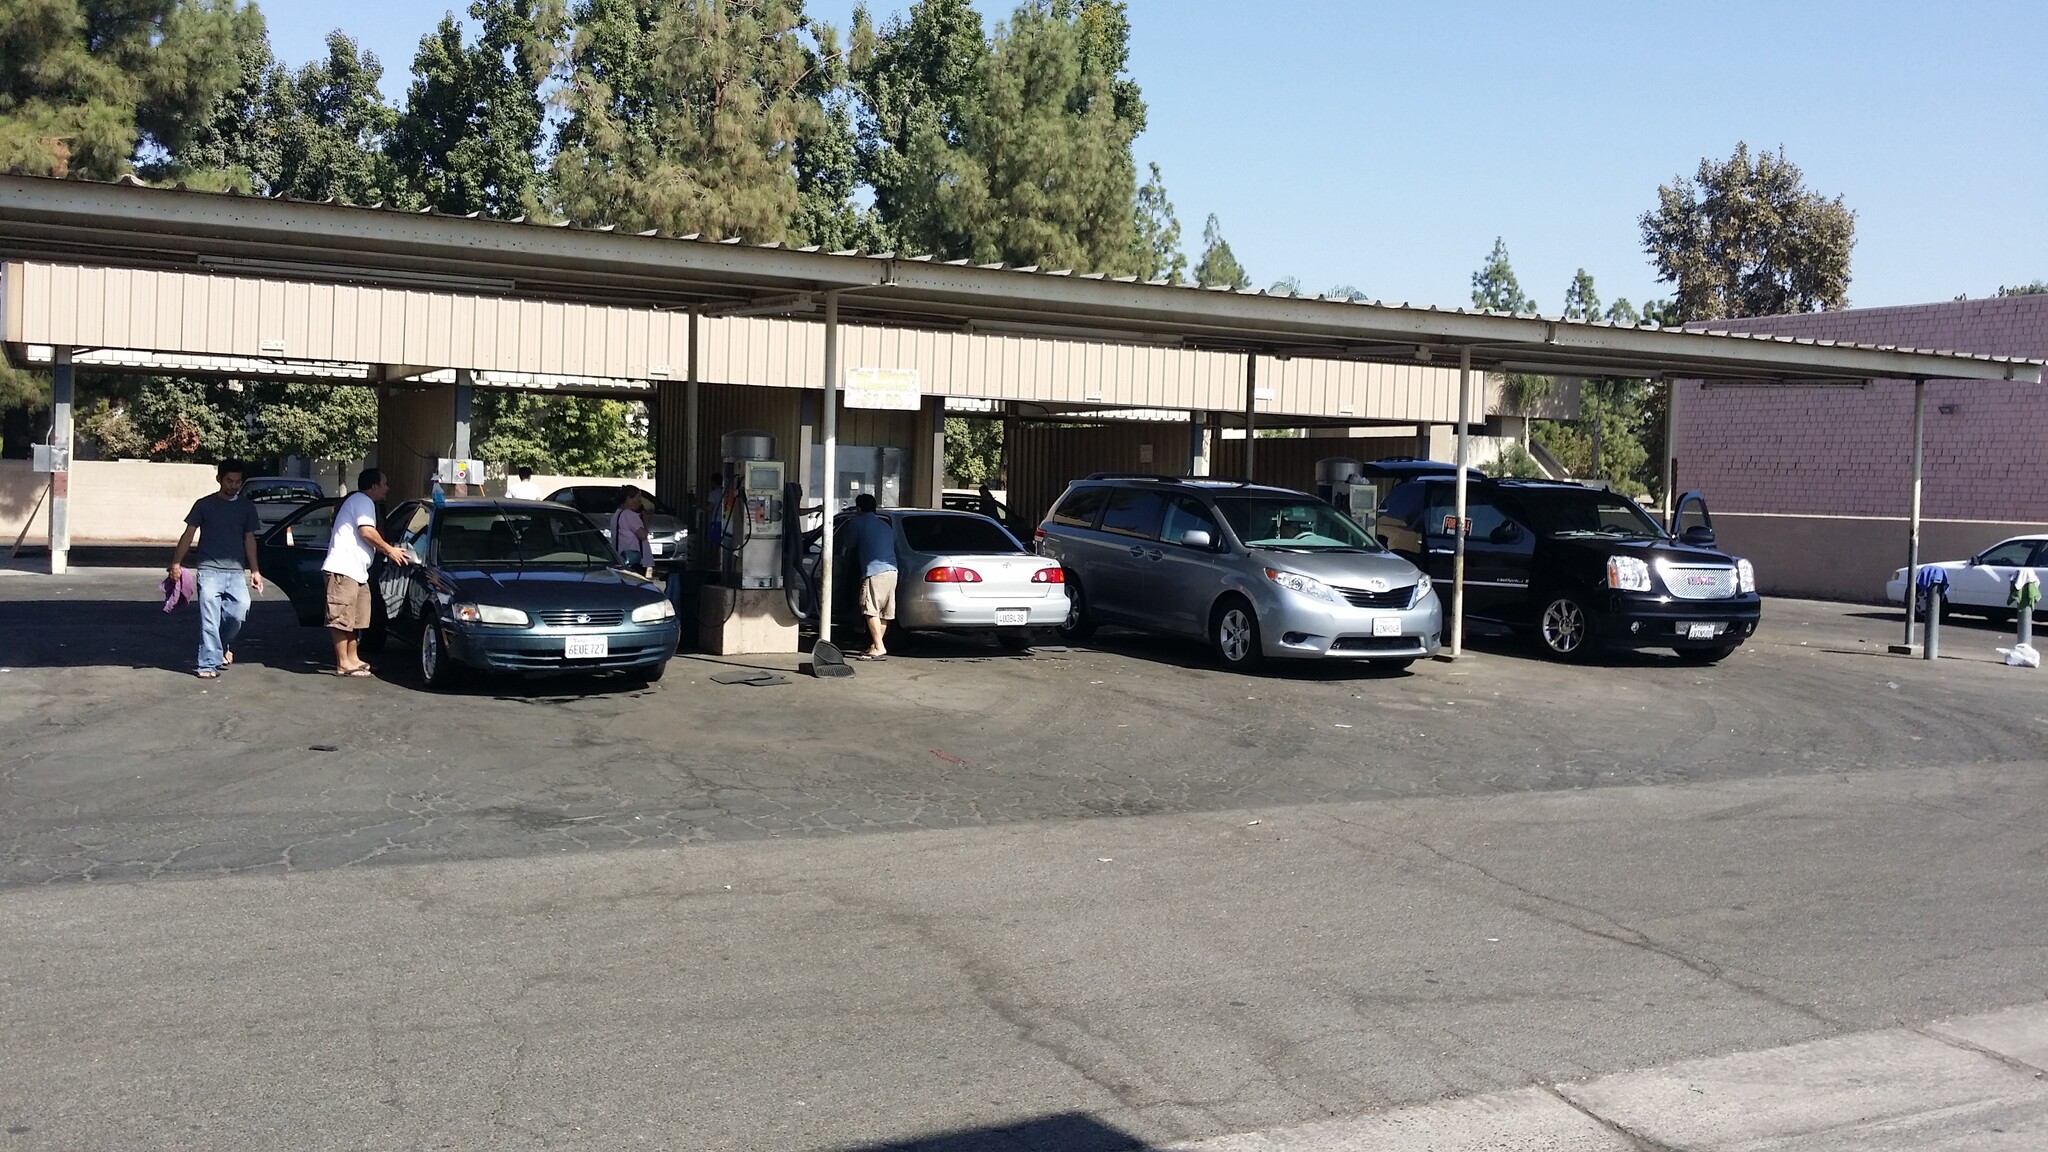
x: 520, y: 535
x: 1590, y: 512
x: 939, y: 534
x: 1298, y: 523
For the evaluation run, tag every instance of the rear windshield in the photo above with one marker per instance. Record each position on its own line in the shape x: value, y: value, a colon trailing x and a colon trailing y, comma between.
x: 1301, y: 523
x: 519, y: 536
x: 280, y: 494
x: 1079, y: 508
x: 956, y: 534
x: 1588, y: 512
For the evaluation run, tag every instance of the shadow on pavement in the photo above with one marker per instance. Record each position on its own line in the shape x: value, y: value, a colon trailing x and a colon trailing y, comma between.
x: 1061, y: 1132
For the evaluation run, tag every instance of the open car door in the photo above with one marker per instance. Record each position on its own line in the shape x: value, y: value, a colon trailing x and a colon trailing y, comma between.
x: 1691, y: 523
x: 291, y: 554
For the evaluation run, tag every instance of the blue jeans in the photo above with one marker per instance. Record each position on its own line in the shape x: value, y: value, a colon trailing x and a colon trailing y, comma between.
x: 223, y: 605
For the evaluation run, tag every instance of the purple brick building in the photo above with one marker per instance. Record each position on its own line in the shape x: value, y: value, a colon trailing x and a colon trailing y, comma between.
x: 1812, y: 484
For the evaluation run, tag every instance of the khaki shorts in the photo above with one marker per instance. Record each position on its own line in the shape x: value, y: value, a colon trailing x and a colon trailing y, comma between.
x: 348, y: 603
x: 878, y: 595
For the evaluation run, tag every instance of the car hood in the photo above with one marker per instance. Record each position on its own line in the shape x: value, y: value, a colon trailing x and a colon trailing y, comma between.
x: 1348, y: 569
x: 1651, y: 551
x: 543, y: 587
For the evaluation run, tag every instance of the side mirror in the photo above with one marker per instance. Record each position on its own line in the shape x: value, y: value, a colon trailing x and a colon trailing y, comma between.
x: 1196, y: 538
x: 1506, y: 532
x: 1698, y: 537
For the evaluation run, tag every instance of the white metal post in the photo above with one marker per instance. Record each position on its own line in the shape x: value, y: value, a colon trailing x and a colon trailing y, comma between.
x: 831, y: 464
x: 1458, y: 530
x: 1913, y: 516
x: 692, y: 429
x: 1670, y: 449
x: 1198, y: 445
x: 60, y: 473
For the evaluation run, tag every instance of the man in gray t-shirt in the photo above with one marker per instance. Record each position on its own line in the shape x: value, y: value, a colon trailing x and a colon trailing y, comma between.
x: 227, y: 526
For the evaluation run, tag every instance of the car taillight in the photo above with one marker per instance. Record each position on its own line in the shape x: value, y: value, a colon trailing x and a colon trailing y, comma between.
x: 1038, y: 534
x: 1049, y: 576
x: 944, y: 575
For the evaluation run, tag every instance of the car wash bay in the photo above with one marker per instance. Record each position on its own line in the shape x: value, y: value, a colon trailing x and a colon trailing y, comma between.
x: 724, y: 336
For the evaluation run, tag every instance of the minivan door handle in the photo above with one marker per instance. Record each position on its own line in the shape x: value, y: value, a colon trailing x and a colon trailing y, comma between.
x: 1137, y: 550
x: 1154, y: 554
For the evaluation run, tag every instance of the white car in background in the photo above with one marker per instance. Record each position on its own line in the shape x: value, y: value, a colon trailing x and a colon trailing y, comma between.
x: 1981, y: 584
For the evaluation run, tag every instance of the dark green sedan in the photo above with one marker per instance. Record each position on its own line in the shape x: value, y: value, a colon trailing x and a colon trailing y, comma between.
x: 510, y: 586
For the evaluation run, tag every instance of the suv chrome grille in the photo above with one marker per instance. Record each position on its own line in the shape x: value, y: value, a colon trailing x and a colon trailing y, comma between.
x: 1695, y: 582
x: 1391, y: 598
x: 609, y: 618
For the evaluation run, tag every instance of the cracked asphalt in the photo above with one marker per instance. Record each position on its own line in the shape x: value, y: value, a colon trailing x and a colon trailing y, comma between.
x: 1099, y: 898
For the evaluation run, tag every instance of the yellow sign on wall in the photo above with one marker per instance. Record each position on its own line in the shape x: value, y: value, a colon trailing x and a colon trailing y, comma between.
x: 889, y: 389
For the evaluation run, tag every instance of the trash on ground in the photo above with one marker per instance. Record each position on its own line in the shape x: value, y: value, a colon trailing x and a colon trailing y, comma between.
x: 754, y: 678
x: 2021, y: 656
x: 946, y: 758
x: 322, y: 748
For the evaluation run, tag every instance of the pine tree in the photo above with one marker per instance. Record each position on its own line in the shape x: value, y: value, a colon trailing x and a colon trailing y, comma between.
x: 1155, y: 234
x: 1218, y: 266
x: 472, y: 118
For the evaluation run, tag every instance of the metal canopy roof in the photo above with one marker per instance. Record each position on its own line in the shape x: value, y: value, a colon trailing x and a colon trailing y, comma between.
x: 131, y: 225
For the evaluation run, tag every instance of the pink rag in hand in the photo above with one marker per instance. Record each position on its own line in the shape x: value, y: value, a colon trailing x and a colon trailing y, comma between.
x: 185, y: 590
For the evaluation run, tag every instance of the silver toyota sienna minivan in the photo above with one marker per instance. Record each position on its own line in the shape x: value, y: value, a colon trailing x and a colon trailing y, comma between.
x: 1257, y: 572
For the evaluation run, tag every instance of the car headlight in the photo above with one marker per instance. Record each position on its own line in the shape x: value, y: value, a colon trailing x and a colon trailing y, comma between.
x: 1421, y: 590
x: 1306, y: 585
x: 650, y: 613
x: 1745, y: 577
x: 1628, y: 573
x: 490, y: 614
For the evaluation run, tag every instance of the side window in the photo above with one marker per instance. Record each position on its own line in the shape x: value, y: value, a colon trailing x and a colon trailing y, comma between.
x: 2040, y: 559
x: 1134, y: 512
x: 411, y: 524
x: 311, y: 530
x: 1404, y: 504
x: 1440, y: 508
x: 2011, y: 554
x: 1185, y: 514
x: 1495, y: 525
x: 1081, y: 507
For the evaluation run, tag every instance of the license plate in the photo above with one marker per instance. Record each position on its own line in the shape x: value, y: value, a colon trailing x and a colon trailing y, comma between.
x: 1386, y: 626
x: 1702, y: 631
x: 587, y: 647
x: 1012, y: 617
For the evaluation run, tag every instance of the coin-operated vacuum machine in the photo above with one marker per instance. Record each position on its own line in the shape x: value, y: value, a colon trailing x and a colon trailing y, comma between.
x: 1340, y: 483
x: 751, y: 512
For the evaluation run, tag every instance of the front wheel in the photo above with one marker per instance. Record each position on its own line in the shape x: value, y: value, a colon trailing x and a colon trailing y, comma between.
x: 437, y: 668
x: 1077, y: 626
x: 1707, y: 655
x: 1234, y: 633
x: 1566, y: 631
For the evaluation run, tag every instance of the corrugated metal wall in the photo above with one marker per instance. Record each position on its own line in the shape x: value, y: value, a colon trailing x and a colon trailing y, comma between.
x: 414, y: 428
x: 1046, y: 457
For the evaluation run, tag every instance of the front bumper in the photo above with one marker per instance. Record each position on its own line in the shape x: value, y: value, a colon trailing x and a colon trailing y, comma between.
x: 1298, y: 627
x: 540, y: 649
x: 1638, y: 620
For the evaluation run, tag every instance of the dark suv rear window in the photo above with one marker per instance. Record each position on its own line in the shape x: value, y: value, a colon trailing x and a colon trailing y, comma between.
x: 956, y: 534
x: 1080, y: 507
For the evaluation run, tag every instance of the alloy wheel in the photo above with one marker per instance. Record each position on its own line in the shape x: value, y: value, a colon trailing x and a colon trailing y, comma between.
x: 1234, y: 634
x: 1564, y: 627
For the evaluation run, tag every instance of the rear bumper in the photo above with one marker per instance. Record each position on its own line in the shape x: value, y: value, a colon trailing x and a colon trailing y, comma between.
x: 965, y: 614
x: 1629, y: 621
x: 539, y: 650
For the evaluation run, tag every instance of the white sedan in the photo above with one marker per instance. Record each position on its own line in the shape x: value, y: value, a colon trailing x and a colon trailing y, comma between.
x: 1982, y: 583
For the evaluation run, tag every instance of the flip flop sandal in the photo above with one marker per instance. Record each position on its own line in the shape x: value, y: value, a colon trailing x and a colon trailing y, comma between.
x: 207, y: 674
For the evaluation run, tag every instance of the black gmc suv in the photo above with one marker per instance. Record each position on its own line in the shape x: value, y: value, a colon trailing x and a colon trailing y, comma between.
x: 1577, y: 567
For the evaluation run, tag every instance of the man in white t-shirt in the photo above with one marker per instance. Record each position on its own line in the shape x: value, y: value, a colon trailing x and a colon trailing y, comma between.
x: 520, y: 486
x: 351, y: 546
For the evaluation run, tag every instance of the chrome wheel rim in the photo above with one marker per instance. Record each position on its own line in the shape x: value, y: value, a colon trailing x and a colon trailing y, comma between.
x: 430, y: 653
x: 1073, y: 607
x: 1564, y: 626
x: 1234, y: 634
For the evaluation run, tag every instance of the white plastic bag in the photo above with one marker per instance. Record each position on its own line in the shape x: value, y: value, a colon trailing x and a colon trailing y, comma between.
x: 2021, y: 656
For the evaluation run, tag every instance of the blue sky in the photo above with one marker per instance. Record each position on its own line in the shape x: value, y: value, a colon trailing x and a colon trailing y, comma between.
x: 1386, y: 145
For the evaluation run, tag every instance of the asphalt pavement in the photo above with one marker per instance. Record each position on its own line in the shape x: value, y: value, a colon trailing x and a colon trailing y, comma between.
x: 1100, y: 898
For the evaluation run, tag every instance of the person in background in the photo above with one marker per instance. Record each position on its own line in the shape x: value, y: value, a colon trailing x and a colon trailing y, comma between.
x: 521, y: 486
x: 872, y: 542
x: 349, y: 550
x: 629, y: 531
x: 227, y: 527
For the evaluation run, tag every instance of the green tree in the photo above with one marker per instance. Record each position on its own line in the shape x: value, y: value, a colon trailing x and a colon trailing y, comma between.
x: 325, y: 127
x: 1218, y: 266
x: 916, y: 80
x: 562, y: 434
x: 472, y: 118
x: 225, y: 147
x: 185, y: 421
x: 974, y: 451
x: 1494, y: 287
x: 1291, y: 285
x: 1346, y: 292
x: 2036, y: 288
x: 85, y: 84
x: 1155, y: 234
x: 1746, y: 237
x: 313, y: 421
x: 685, y: 116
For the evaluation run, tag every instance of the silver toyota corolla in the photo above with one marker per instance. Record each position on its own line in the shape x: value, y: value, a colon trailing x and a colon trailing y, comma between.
x: 1257, y: 572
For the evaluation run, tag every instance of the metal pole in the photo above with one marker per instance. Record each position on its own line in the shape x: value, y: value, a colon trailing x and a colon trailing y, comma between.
x: 1913, y: 517
x: 1932, y: 650
x: 464, y: 398
x: 1251, y: 400
x: 1198, y: 445
x: 1464, y: 462
x: 60, y: 474
x: 1670, y: 449
x: 831, y: 464
x: 692, y: 415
